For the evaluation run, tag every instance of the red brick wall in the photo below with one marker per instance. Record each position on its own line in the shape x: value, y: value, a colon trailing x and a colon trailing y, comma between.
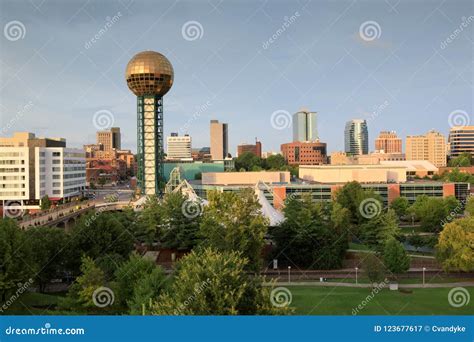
x: 279, y: 196
x: 448, y: 189
x: 393, y: 192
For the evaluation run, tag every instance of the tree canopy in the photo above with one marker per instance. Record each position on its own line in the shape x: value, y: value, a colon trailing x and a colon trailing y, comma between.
x: 233, y: 222
x: 313, y: 235
x: 209, y: 282
x: 455, y: 248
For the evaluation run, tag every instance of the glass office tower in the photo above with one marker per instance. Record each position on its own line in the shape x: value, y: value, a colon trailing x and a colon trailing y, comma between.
x: 305, y: 126
x: 356, y: 137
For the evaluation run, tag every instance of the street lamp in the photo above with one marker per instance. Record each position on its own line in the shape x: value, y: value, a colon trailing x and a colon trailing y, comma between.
x: 289, y: 274
x: 357, y: 268
x: 424, y: 269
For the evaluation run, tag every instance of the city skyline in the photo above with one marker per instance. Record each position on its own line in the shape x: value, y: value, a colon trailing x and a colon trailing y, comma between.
x: 329, y: 68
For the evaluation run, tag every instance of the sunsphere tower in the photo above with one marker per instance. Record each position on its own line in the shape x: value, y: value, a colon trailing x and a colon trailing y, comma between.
x: 150, y: 76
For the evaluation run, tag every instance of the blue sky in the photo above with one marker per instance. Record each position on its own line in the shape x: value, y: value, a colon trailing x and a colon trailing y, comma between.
x: 406, y: 77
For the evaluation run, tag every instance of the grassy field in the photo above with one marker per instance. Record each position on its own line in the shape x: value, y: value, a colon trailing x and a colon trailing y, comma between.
x: 342, y: 301
x: 312, y: 300
x: 34, y: 304
x: 437, y: 279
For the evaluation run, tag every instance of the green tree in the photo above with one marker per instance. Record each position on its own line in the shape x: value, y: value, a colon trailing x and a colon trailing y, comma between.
x: 233, y: 222
x: 363, y: 205
x: 274, y: 162
x: 109, y: 263
x: 373, y: 268
x: 102, y: 181
x: 350, y: 196
x: 463, y: 160
x: 469, y: 208
x: 400, y: 205
x: 149, y: 220
x: 209, y: 282
x: 430, y: 211
x: 395, y: 257
x: 455, y: 248
x: 313, y: 235
x: 45, y: 203
x: 179, y: 222
x: 458, y: 176
x: 147, y: 291
x: 378, y: 230
x: 129, y: 274
x: 50, y: 253
x: 16, y: 263
x: 81, y: 293
x: 100, y: 233
x: 247, y: 161
x: 452, y: 205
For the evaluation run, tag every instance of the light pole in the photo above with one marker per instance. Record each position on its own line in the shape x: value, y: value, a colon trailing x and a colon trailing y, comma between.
x: 289, y: 274
x: 357, y: 268
x: 424, y: 269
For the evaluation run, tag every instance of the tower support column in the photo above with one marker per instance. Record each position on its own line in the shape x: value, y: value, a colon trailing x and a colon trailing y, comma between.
x: 150, y: 144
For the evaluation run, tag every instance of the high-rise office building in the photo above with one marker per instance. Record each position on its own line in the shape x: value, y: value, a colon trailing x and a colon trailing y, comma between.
x: 110, y: 139
x: 252, y: 148
x: 32, y: 167
x: 356, y: 137
x: 219, y: 140
x: 389, y: 142
x: 431, y: 147
x: 461, y: 140
x: 305, y: 126
x: 178, y: 147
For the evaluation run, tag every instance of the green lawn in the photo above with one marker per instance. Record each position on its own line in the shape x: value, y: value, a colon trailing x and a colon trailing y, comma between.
x: 341, y: 301
x: 437, y: 279
x: 32, y: 303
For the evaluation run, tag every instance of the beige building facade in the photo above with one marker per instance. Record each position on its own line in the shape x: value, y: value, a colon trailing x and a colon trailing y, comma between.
x: 245, y: 178
x: 431, y: 147
x: 349, y: 173
x: 219, y: 140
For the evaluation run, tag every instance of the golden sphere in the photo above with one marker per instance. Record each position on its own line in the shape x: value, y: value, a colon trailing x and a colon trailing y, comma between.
x: 149, y: 73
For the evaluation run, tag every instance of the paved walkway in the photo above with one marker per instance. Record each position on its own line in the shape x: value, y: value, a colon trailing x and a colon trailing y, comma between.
x: 405, y: 286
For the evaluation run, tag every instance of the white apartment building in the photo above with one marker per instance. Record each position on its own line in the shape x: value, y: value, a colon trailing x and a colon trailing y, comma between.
x: 32, y: 167
x: 178, y: 148
x: 14, y: 173
x: 60, y: 172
